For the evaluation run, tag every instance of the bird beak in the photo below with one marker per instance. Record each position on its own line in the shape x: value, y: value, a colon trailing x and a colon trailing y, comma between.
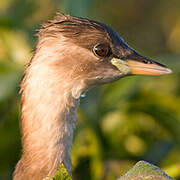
x: 137, y: 64
x: 147, y: 69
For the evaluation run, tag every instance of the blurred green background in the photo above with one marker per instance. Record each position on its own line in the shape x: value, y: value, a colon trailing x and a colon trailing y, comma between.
x: 136, y: 118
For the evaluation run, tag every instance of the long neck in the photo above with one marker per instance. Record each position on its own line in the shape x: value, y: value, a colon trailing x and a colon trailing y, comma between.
x: 48, y: 119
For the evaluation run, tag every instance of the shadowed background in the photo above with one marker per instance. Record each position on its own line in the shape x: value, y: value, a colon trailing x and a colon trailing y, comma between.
x: 136, y: 118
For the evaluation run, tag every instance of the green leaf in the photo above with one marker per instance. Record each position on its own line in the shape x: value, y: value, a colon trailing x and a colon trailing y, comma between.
x: 61, y: 174
x: 145, y: 171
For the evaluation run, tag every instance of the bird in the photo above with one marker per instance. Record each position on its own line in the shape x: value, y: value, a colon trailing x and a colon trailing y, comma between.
x: 72, y: 56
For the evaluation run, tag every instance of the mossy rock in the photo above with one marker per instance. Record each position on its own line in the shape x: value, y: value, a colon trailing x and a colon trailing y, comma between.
x: 143, y: 170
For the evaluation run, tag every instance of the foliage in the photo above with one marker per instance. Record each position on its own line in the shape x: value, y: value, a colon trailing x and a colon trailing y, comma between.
x: 61, y: 174
x: 118, y: 124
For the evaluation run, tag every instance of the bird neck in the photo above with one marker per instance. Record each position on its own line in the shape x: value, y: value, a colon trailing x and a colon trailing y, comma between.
x: 48, y: 119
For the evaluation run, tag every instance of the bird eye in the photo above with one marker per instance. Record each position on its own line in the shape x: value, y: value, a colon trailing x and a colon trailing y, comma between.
x: 102, y: 50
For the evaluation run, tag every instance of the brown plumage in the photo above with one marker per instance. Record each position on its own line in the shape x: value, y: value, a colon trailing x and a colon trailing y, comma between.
x: 72, y: 56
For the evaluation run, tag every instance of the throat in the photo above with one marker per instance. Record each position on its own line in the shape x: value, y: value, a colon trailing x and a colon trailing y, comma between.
x: 48, y: 119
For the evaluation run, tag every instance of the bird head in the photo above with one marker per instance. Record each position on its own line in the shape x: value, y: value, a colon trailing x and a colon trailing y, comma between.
x: 92, y: 52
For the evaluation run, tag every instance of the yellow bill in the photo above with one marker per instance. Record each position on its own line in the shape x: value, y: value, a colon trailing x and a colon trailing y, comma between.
x: 137, y: 67
x: 140, y: 65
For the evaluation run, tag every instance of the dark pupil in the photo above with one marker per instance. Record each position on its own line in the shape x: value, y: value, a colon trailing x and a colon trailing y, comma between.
x: 102, y: 50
